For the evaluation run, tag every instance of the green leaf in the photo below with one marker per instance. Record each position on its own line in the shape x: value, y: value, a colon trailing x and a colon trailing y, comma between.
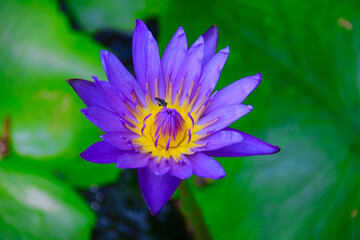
x: 308, y: 103
x: 34, y: 205
x: 39, y: 51
x: 120, y: 15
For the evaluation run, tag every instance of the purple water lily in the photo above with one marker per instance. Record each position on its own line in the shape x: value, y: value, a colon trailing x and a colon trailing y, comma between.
x: 168, y: 124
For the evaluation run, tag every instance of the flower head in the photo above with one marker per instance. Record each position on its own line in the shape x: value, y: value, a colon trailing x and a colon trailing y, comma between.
x: 167, y: 122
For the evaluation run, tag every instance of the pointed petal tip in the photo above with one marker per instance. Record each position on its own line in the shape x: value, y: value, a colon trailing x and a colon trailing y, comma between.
x: 212, y: 31
x: 156, y: 190
x: 104, y: 55
x: 214, y: 28
x: 85, y: 156
x: 180, y: 31
x: 277, y: 149
x: 199, y: 41
x: 154, y: 211
x: 72, y: 81
x: 223, y: 175
x: 139, y: 22
x: 151, y: 36
x: 250, y: 107
x: 103, y: 52
x: 140, y: 26
x: 225, y: 50
x: 258, y: 76
x: 82, y: 155
x: 250, y: 146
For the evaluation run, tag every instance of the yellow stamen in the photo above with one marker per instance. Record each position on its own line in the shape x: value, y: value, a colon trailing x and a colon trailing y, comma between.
x: 131, y: 110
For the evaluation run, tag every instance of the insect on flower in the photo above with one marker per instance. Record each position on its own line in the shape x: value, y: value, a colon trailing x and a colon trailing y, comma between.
x: 161, y: 102
x: 167, y: 123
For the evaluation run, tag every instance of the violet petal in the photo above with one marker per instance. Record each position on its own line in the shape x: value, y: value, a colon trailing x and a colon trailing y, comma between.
x: 159, y: 168
x: 153, y: 69
x: 205, y: 166
x: 156, y: 190
x: 220, y: 139
x: 224, y: 116
x: 234, y: 93
x: 250, y: 146
x: 132, y: 160
x: 120, y: 140
x: 101, y: 152
x: 115, y: 100
x: 190, y: 70
x: 88, y: 92
x: 104, y: 119
x: 116, y: 73
x: 181, y: 169
x: 211, y: 74
x: 139, y: 41
x: 174, y: 55
x: 210, y: 43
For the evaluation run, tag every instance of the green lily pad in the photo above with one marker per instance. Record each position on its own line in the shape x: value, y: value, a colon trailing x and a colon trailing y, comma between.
x: 37, y: 206
x: 39, y: 51
x: 308, y: 103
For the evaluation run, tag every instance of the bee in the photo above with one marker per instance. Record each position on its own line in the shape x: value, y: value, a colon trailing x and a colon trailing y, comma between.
x: 161, y: 102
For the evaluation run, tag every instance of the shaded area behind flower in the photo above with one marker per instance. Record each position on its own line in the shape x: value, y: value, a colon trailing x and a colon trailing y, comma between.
x: 122, y: 213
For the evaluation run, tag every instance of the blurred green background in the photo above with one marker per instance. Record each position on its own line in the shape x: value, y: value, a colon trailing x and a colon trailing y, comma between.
x: 308, y: 103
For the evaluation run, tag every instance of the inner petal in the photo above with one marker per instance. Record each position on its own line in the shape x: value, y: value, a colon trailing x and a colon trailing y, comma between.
x: 169, y: 128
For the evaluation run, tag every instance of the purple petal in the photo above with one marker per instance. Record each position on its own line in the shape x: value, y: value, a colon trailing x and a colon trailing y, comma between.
x: 139, y: 41
x: 181, y: 169
x: 139, y: 92
x: 115, y: 100
x: 153, y: 69
x: 210, y: 43
x: 159, y: 168
x: 88, y: 92
x: 220, y: 139
x: 116, y: 73
x: 235, y: 93
x: 174, y: 55
x: 190, y: 70
x: 205, y: 166
x: 248, y: 147
x: 211, y: 74
x: 104, y: 119
x: 156, y: 190
x: 132, y: 160
x: 224, y: 116
x: 101, y: 152
x: 120, y: 140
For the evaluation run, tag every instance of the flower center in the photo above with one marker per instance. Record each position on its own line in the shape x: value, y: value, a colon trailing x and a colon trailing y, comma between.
x: 169, y: 128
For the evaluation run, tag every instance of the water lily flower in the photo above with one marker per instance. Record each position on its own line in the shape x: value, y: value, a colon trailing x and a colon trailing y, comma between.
x: 167, y: 123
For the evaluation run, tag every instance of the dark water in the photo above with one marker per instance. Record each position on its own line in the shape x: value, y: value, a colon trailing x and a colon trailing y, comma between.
x: 122, y: 213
